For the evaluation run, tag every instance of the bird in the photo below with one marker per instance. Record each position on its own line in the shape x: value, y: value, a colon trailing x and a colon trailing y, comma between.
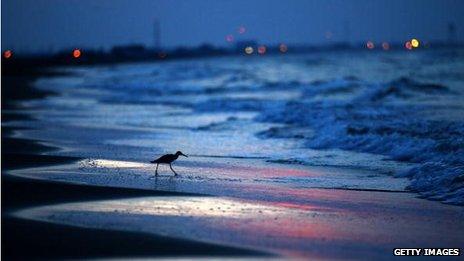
x: 167, y: 159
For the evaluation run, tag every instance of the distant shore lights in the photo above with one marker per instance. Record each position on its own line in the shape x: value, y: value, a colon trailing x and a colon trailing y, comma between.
x: 370, y: 45
x: 262, y: 49
x: 408, y: 45
x: 414, y: 43
x: 7, y: 54
x: 77, y: 53
x: 241, y: 29
x: 229, y: 38
x: 249, y: 50
x: 283, y: 48
x: 385, y: 46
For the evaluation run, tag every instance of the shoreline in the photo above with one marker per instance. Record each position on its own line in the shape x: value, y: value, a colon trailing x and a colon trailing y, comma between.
x: 65, y: 241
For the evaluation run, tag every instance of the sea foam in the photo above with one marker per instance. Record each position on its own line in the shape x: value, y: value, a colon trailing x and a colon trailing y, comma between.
x: 382, y: 119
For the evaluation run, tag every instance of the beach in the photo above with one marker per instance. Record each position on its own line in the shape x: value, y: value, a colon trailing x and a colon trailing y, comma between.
x: 69, y: 241
x: 295, y: 157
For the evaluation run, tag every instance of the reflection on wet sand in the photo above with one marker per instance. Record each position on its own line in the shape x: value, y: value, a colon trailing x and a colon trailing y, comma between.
x: 279, y: 227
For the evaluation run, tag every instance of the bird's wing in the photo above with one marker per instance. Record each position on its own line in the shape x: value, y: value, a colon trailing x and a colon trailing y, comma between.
x: 162, y: 158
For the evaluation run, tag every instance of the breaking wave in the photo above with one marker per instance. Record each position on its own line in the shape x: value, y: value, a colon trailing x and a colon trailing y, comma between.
x: 375, y: 119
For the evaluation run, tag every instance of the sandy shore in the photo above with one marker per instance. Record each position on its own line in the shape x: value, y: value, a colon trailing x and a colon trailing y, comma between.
x: 44, y: 240
x: 28, y: 239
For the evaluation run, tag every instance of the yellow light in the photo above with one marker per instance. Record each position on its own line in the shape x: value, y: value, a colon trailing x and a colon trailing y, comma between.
x: 249, y: 50
x: 415, y: 43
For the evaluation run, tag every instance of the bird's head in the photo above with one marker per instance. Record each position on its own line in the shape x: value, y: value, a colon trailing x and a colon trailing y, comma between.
x: 179, y: 153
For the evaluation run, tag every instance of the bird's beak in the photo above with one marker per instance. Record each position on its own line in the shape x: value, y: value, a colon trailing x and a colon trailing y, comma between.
x: 184, y: 155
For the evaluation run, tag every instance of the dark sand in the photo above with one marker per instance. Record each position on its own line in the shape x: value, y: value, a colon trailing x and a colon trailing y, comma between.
x: 31, y: 239
x: 25, y: 239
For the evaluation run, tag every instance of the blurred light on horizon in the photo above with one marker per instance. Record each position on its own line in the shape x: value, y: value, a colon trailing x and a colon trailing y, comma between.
x: 77, y: 53
x: 229, y: 38
x: 262, y: 49
x: 370, y: 45
x: 7, y: 54
x: 415, y: 43
x: 283, y: 48
x: 408, y: 45
x: 386, y: 46
x: 249, y: 50
x: 56, y: 25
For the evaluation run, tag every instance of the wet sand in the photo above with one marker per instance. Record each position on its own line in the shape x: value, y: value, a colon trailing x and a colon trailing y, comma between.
x: 289, y: 222
x: 28, y: 239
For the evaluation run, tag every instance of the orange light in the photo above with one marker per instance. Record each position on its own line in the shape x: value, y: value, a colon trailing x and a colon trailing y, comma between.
x: 370, y: 45
x: 408, y: 45
x: 283, y: 48
x: 229, y: 38
x: 386, y: 46
x: 241, y: 29
x: 77, y: 53
x: 262, y: 49
x: 7, y: 54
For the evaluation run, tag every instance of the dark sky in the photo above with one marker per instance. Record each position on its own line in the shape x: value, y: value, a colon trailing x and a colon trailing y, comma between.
x: 44, y: 25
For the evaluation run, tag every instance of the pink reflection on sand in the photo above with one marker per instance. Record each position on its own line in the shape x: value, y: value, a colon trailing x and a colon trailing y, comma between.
x: 224, y: 220
x: 291, y: 221
x: 271, y: 172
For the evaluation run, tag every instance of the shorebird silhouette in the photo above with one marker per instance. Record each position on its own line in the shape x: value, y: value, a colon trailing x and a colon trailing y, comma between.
x: 167, y: 159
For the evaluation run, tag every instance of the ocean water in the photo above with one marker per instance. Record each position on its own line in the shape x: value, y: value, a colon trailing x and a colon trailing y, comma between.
x: 395, y: 113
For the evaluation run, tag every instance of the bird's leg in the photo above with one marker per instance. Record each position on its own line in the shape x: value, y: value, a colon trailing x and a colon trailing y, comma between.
x: 170, y: 166
x: 156, y: 171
